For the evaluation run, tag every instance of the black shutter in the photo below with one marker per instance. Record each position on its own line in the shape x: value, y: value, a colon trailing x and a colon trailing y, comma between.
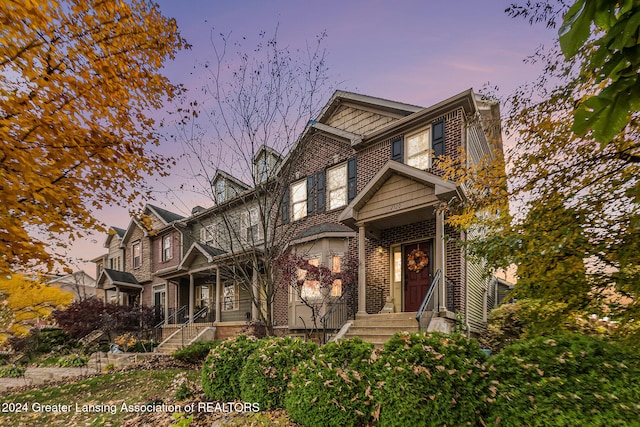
x: 310, y: 195
x: 284, y: 206
x: 397, y: 149
x: 437, y: 138
x: 352, y: 179
x: 321, y: 193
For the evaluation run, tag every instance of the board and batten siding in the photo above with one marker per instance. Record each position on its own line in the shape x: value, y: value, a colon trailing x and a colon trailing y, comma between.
x: 358, y: 121
x: 397, y: 194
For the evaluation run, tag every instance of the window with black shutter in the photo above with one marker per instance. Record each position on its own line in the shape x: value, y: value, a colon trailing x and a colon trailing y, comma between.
x: 310, y: 195
x: 284, y: 206
x: 352, y: 179
x: 397, y: 149
x: 321, y: 191
x: 437, y: 138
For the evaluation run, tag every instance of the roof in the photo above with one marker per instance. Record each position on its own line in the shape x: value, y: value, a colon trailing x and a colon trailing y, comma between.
x: 327, y: 227
x: 115, y: 277
x: 165, y: 215
x: 119, y: 231
x: 394, y: 107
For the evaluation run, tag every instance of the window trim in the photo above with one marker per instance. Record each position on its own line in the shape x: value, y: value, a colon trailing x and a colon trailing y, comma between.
x: 236, y: 296
x: 137, y: 243
x: 167, y: 257
x: 344, y: 181
x: 428, y: 152
x: 303, y: 184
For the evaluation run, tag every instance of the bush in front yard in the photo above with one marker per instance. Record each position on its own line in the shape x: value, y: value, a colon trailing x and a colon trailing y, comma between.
x: 564, y: 381
x: 221, y: 371
x: 196, y: 352
x: 434, y: 378
x: 268, y: 370
x: 335, y: 387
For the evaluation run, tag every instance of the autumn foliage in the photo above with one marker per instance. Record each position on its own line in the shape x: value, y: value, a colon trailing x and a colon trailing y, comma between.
x: 79, y: 79
x: 24, y: 302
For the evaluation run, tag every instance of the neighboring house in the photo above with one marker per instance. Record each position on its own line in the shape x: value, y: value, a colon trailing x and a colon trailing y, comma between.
x: 79, y: 283
x: 364, y: 185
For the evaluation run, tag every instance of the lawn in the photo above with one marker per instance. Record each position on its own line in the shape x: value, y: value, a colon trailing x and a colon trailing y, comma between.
x: 93, y: 402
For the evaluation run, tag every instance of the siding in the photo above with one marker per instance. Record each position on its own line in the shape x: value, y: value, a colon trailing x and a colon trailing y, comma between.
x: 357, y: 120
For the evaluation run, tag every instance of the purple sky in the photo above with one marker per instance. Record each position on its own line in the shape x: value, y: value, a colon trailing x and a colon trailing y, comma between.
x: 418, y: 52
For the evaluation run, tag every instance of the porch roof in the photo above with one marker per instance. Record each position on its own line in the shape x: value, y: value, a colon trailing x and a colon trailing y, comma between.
x: 387, y: 201
x: 113, y: 278
x: 199, y: 249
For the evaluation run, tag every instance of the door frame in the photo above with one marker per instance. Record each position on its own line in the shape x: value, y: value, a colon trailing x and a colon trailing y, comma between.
x: 397, y: 287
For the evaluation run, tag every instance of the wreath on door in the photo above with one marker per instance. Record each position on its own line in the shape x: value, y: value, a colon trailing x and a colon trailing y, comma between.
x: 417, y: 260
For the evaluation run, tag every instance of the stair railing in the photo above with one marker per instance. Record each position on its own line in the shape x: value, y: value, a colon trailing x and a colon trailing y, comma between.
x: 336, y: 316
x: 427, y: 300
x: 190, y: 325
x: 172, y: 316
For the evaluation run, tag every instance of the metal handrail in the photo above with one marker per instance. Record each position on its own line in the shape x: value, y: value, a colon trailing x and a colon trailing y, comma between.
x: 189, y: 322
x: 174, y: 314
x: 340, y: 302
x: 427, y: 299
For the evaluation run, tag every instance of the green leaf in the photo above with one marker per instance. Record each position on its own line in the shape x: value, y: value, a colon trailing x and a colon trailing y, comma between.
x: 576, y: 27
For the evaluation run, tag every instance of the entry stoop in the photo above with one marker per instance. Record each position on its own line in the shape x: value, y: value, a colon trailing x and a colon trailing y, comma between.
x: 379, y: 328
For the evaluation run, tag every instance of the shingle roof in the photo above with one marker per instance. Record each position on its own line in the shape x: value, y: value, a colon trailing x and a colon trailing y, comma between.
x: 119, y: 231
x: 327, y: 227
x: 120, y: 276
x: 166, y: 215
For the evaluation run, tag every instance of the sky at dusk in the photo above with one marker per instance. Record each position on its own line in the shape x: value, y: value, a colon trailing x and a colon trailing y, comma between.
x: 417, y: 52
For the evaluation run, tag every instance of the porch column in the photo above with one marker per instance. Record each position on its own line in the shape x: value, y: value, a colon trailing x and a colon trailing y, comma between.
x: 118, y: 295
x: 166, y: 302
x: 255, y: 291
x: 192, y: 294
x: 362, y: 271
x: 218, y: 293
x: 441, y: 261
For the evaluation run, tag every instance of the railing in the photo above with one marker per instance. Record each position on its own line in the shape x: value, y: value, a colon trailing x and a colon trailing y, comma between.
x: 336, y: 316
x: 189, y: 325
x: 172, y: 316
x: 427, y: 299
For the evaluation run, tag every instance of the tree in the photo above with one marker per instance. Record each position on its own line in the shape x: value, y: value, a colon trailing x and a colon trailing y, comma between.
x: 25, y: 302
x: 574, y: 203
x: 79, y: 80
x: 260, y: 101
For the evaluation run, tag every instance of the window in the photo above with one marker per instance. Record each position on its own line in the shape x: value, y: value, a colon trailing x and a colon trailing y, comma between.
x: 115, y: 263
x: 262, y: 169
x: 209, y: 235
x: 251, y: 227
x: 230, y: 297
x: 337, y: 186
x: 166, y: 248
x: 336, y: 289
x: 136, y: 251
x: 310, y: 288
x: 220, y: 191
x: 299, y: 199
x: 418, y: 147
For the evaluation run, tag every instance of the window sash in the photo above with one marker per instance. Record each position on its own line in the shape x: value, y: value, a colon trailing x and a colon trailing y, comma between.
x: 299, y: 200
x: 166, y: 248
x: 337, y: 186
x: 418, y: 149
x: 136, y: 252
x: 230, y: 297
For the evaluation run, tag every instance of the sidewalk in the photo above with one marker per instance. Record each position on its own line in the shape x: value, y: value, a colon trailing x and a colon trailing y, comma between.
x: 38, y: 376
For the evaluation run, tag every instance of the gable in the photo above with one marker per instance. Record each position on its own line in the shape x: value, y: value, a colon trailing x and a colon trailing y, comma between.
x: 359, y: 120
x: 398, y: 193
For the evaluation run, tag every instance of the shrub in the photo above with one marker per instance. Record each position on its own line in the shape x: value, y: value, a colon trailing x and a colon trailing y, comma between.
x: 12, y: 371
x: 221, y: 371
x: 73, y: 360
x: 42, y: 341
x: 431, y: 378
x: 335, y: 387
x: 268, y: 370
x: 564, y: 381
x: 196, y: 352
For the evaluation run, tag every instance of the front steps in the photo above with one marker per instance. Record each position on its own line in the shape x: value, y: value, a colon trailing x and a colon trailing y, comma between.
x: 379, y: 328
x: 176, y: 340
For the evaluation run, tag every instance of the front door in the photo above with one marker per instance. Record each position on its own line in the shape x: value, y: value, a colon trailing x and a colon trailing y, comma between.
x: 417, y: 278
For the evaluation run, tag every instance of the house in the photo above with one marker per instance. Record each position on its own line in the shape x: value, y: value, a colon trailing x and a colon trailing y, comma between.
x: 79, y: 283
x: 362, y: 183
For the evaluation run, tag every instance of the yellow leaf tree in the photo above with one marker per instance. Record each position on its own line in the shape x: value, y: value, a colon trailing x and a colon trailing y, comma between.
x: 26, y: 301
x: 79, y: 81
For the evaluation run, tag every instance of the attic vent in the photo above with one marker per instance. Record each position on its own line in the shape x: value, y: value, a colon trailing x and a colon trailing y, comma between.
x: 196, y: 209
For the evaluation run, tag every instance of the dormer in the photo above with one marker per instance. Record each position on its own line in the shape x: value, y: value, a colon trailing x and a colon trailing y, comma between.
x: 265, y: 163
x: 225, y: 187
